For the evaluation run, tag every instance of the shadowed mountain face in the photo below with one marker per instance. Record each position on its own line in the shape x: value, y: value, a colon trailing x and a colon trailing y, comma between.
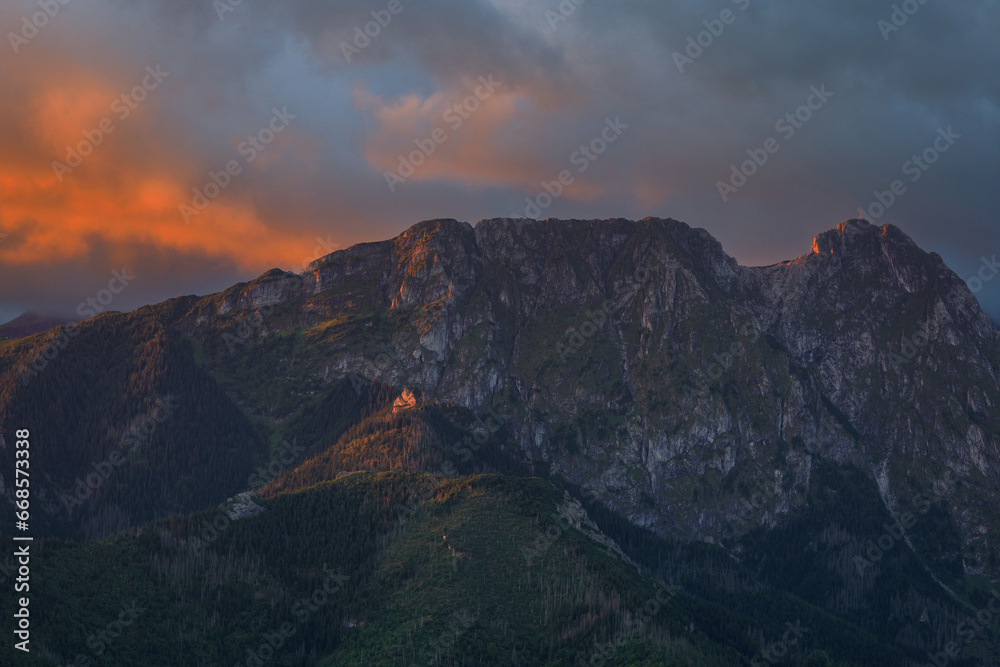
x: 634, y: 359
x: 804, y: 405
x: 640, y: 362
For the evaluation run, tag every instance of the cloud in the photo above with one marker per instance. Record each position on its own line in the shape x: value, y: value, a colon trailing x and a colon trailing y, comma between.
x: 324, y: 176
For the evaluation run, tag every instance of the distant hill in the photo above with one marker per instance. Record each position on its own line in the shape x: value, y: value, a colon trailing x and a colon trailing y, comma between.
x: 29, y: 324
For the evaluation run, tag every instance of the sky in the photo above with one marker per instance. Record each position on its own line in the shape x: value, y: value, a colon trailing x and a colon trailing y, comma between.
x: 172, y: 147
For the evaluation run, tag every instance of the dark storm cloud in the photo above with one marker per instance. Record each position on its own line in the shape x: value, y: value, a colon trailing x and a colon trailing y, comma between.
x: 565, y: 69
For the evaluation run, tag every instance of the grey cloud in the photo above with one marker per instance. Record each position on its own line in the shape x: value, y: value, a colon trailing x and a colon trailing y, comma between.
x: 606, y: 59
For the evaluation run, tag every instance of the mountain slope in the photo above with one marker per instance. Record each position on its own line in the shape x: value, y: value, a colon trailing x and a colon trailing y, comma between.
x: 396, y: 568
x: 793, y: 414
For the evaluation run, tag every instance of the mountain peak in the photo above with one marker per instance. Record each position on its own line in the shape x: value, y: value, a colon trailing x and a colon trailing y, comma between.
x: 840, y: 236
x: 853, y: 233
x: 30, y: 323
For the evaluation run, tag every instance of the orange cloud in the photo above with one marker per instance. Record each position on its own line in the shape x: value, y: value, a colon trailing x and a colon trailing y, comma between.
x: 57, y: 222
x: 127, y: 191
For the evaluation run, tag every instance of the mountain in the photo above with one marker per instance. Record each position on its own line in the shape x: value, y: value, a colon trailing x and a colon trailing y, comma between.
x: 813, y: 439
x: 29, y: 323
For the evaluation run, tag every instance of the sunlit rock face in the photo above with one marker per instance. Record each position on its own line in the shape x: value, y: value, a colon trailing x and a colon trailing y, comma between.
x: 406, y: 401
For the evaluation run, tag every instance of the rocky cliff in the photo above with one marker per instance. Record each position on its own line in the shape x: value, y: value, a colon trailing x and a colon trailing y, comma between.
x: 640, y: 362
